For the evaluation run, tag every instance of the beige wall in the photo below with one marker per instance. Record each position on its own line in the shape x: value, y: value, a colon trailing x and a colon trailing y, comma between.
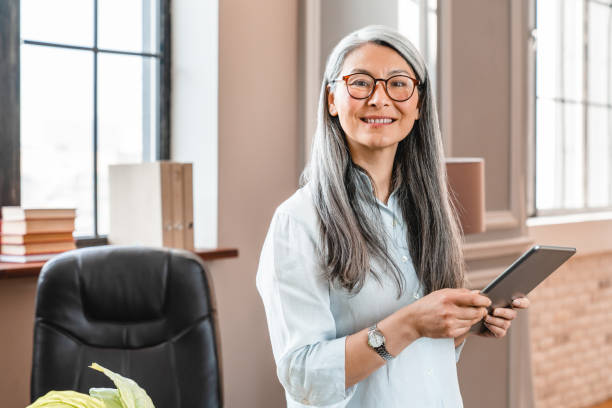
x: 481, y: 91
x: 258, y: 168
x: 16, y: 334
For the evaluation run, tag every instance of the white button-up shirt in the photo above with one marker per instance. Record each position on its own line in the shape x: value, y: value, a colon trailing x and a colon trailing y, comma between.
x: 309, y: 318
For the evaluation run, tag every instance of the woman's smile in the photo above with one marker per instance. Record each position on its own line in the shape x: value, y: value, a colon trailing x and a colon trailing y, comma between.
x: 377, y: 122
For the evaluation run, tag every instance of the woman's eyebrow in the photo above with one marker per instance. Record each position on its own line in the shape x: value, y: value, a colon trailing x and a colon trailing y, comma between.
x: 365, y: 71
x: 360, y: 71
x: 399, y: 71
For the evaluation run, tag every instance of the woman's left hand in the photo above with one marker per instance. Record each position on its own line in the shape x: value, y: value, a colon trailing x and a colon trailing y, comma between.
x: 499, y: 322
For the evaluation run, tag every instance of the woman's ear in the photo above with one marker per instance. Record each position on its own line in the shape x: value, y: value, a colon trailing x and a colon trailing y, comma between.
x: 331, y: 106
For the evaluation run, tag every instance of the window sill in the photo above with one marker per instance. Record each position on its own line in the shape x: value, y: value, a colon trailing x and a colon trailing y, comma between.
x: 589, y: 233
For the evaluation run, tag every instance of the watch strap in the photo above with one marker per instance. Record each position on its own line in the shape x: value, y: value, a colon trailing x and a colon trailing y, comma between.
x: 382, y: 351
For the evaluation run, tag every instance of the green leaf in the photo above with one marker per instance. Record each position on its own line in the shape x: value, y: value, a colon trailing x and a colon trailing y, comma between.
x: 130, y: 394
x: 67, y: 399
x: 110, y: 396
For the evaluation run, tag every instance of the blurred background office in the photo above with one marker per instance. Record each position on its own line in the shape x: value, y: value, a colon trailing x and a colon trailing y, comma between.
x: 232, y: 86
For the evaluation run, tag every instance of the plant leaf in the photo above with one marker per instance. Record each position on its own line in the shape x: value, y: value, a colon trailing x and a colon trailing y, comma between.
x: 66, y: 399
x: 130, y: 394
x: 110, y: 396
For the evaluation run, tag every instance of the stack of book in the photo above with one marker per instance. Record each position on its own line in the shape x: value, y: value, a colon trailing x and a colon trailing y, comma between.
x: 35, y: 234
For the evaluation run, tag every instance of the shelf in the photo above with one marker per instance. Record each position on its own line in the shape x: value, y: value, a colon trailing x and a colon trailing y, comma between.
x: 22, y: 270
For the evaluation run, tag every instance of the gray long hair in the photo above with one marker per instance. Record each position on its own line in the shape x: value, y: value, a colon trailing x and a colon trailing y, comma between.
x: 350, y: 222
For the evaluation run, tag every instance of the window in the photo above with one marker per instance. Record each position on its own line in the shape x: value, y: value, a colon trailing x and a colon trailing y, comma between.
x: 418, y: 21
x: 573, y: 161
x: 94, y: 91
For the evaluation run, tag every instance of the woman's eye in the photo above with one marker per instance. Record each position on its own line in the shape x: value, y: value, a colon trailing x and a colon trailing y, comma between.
x: 361, y: 84
x: 398, y: 84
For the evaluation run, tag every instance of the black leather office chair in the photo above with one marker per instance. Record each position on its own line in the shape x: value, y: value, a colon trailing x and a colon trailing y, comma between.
x: 146, y: 313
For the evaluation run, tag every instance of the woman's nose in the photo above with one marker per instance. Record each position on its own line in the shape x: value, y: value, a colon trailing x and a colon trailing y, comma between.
x: 379, y: 95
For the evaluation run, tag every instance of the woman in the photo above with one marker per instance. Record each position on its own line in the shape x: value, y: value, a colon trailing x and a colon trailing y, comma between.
x: 361, y: 273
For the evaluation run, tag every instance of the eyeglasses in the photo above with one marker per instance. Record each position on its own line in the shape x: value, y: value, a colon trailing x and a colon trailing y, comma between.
x: 398, y: 87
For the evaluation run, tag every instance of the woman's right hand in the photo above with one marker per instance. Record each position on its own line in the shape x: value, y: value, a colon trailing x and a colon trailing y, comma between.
x: 447, y: 312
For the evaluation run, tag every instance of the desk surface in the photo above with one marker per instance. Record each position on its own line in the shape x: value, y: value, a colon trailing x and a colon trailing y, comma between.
x: 21, y: 270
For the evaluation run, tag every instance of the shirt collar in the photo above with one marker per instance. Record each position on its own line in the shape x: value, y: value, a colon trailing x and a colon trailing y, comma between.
x: 391, y: 201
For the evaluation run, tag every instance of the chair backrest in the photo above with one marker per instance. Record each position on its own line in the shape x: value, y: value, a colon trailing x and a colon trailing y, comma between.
x: 145, y: 313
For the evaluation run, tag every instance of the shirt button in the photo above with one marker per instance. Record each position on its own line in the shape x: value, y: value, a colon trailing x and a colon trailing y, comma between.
x: 416, y: 295
x: 430, y: 372
x: 394, y: 223
x: 404, y: 258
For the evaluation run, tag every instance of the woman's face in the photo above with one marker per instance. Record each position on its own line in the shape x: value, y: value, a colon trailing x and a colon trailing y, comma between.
x: 357, y: 115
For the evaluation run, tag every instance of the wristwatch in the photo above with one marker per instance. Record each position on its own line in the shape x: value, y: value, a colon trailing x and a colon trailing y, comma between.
x: 376, y: 340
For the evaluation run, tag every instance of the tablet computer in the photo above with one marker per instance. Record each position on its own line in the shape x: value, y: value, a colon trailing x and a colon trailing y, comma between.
x: 522, y: 276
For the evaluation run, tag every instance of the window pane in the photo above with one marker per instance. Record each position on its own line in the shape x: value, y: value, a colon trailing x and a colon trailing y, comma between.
x: 548, y: 156
x: 548, y: 55
x: 418, y: 21
x: 560, y: 49
x: 56, y: 131
x: 128, y: 25
x: 573, y: 156
x: 572, y: 50
x: 432, y: 47
x: 560, y: 162
x: 127, y: 118
x: 559, y: 155
x: 600, y: 151
x: 409, y: 20
x: 600, y: 45
x: 59, y: 21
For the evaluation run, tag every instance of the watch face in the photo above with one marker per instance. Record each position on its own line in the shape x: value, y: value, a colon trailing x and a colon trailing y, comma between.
x: 375, y: 339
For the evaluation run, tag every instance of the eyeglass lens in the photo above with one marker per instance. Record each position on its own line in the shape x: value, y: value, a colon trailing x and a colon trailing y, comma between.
x: 399, y: 87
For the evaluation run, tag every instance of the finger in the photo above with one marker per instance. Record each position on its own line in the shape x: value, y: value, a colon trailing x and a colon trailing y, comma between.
x: 471, y: 313
x: 486, y: 333
x: 472, y: 299
x: 462, y: 327
x: 495, y: 331
x: 521, y: 303
x: 497, y: 322
x: 506, y: 313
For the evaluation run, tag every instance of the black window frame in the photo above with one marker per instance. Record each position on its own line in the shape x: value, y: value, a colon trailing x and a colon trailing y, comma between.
x: 10, y: 135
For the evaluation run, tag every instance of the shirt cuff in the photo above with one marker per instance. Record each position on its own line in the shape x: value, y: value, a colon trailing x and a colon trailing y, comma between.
x: 315, y: 375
